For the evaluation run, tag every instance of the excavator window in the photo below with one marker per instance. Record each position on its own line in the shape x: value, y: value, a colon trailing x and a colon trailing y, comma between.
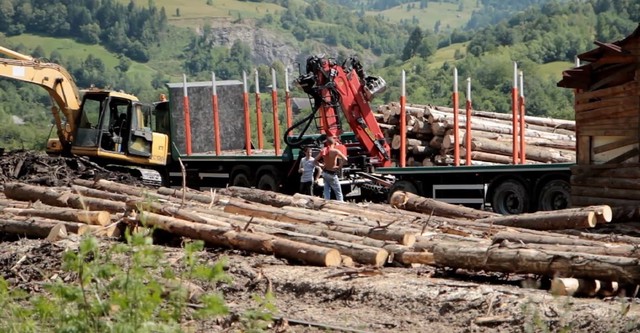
x: 88, y: 133
x: 115, y: 125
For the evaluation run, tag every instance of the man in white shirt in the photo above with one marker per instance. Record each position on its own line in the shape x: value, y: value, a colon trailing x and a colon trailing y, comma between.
x: 307, y: 169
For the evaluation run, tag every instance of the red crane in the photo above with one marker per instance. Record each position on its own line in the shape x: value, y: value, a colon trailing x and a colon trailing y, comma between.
x: 344, y: 90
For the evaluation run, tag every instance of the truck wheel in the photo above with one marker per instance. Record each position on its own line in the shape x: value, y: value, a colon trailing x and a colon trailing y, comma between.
x: 241, y: 180
x: 510, y: 197
x: 268, y: 182
x: 554, y: 195
x: 402, y: 185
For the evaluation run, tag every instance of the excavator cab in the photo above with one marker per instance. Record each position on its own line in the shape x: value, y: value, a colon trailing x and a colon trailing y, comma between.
x: 114, y: 125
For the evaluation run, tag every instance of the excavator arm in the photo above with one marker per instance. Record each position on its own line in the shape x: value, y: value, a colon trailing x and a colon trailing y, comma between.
x: 345, y: 89
x: 52, y: 77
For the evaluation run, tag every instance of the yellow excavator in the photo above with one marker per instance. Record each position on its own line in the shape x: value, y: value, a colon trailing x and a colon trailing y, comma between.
x: 109, y: 127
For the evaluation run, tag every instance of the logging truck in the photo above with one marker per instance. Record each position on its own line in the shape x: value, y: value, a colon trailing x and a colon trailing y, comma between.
x: 201, y: 136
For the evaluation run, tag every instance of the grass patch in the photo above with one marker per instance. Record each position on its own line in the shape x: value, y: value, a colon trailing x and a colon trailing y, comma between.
x: 447, y: 13
x: 191, y: 14
x: 554, y: 69
x: 446, y: 54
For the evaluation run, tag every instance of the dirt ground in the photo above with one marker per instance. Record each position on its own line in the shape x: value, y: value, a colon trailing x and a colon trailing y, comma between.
x: 315, y: 299
x: 360, y: 299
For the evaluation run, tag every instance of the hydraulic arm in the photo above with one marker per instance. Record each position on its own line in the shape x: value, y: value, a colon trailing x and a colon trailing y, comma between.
x: 55, y: 79
x: 345, y: 89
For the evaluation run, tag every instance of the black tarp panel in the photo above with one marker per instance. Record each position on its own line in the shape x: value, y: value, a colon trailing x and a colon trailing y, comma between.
x: 231, y: 112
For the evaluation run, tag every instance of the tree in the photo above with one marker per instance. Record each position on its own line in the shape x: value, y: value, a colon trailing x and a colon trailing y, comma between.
x: 90, y: 33
x: 412, y: 44
x: 123, y: 63
x: 428, y: 46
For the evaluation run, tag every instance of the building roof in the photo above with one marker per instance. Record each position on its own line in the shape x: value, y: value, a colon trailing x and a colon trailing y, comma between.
x: 605, y: 54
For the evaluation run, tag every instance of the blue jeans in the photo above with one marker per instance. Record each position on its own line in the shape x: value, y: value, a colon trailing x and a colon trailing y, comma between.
x: 331, y: 182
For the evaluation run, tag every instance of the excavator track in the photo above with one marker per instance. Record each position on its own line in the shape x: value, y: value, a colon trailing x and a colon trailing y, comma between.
x: 148, y: 177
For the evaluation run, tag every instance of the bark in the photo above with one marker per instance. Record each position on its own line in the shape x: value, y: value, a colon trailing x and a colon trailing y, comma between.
x: 416, y: 203
x: 547, y: 263
x: 250, y: 241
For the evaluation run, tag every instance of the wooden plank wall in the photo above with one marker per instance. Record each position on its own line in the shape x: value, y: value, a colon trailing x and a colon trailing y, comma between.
x: 608, y: 143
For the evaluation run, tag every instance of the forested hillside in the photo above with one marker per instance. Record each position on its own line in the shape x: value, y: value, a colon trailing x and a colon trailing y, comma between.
x: 137, y: 46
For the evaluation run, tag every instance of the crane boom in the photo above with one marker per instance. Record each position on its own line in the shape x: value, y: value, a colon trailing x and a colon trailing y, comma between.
x: 346, y: 89
x: 52, y: 77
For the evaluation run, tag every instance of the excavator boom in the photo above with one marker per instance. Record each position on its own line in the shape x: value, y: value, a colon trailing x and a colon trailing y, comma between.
x: 52, y: 77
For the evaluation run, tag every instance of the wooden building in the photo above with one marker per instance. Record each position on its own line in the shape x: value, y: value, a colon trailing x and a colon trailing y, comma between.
x: 607, y: 114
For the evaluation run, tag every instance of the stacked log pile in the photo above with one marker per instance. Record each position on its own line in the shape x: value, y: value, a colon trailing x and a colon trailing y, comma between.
x: 412, y: 230
x: 431, y: 140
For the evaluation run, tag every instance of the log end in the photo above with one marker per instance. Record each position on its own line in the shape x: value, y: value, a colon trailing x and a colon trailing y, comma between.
x: 398, y: 199
x: 408, y: 239
x: 574, y: 287
x: 332, y: 258
x: 605, y: 214
x: 57, y: 233
x: 591, y: 220
x: 347, y: 261
x: 381, y: 258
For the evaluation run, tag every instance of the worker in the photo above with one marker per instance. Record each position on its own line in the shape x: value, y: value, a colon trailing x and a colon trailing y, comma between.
x: 307, y: 170
x: 330, y: 160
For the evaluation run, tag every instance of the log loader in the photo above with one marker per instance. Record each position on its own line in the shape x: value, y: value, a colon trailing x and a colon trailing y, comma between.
x: 506, y: 189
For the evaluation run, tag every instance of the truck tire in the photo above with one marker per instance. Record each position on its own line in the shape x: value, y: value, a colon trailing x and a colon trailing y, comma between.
x: 510, y: 197
x: 554, y: 195
x: 268, y: 182
x: 240, y: 179
x: 402, y: 185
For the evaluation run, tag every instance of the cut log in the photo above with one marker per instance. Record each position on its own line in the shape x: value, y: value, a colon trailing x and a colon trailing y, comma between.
x: 94, y: 193
x: 547, y: 220
x: 621, y: 250
x: 199, y: 197
x: 547, y: 263
x: 109, y: 186
x: 425, y: 258
x: 603, y: 213
x: 363, y: 250
x: 416, y: 203
x: 250, y: 241
x: 31, y: 227
x: 551, y: 123
x: 533, y: 153
x: 478, y: 156
x: 553, y: 239
x: 574, y: 287
x: 24, y: 192
x: 73, y: 215
x: 264, y: 197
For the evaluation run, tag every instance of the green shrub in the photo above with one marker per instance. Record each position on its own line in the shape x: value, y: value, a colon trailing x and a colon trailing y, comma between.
x: 126, y: 287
